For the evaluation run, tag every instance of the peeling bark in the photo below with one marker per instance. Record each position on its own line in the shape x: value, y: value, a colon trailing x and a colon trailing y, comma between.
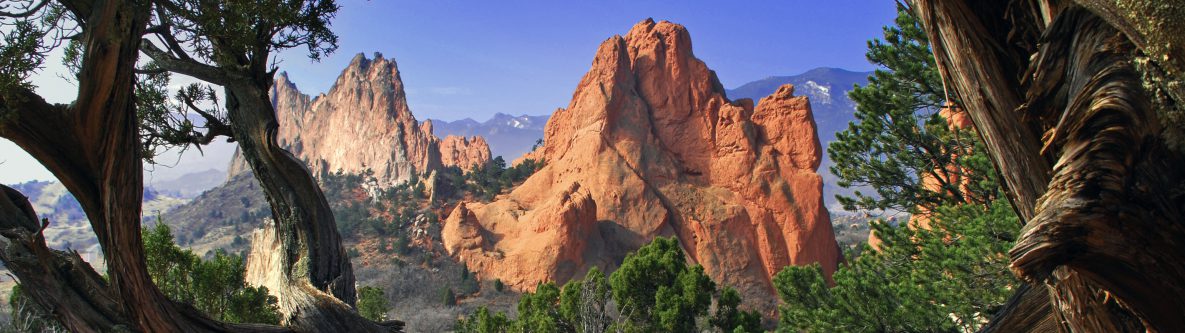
x: 1103, y: 199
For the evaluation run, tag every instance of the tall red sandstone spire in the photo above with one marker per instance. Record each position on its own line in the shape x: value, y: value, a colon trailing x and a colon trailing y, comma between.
x: 650, y: 146
x: 362, y: 123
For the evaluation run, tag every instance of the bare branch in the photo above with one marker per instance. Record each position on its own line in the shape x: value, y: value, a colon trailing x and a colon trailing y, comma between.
x: 26, y: 13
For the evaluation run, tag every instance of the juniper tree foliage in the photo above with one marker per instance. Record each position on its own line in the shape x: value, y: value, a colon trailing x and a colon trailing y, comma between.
x: 372, y: 303
x: 217, y: 285
x: 898, y: 138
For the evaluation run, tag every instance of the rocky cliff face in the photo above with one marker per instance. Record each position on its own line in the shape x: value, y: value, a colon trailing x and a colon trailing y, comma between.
x: 362, y: 123
x: 464, y: 152
x: 650, y: 146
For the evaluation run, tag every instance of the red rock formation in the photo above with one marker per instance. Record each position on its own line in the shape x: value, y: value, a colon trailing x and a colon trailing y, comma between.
x: 540, y: 252
x: 464, y: 152
x: 363, y: 122
x: 657, y: 149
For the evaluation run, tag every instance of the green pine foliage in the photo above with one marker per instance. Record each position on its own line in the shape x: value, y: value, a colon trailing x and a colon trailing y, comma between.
x: 898, y: 138
x: 950, y: 277
x: 372, y: 303
x: 215, y: 286
x: 654, y: 290
x: 730, y: 318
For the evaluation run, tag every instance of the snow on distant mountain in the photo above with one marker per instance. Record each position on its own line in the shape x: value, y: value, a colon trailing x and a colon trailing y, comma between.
x: 828, y: 90
x: 508, y: 136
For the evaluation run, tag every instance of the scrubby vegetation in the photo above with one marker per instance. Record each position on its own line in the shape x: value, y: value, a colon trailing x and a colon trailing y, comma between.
x: 488, y: 180
x: 215, y: 286
x: 654, y: 290
x: 372, y: 303
x: 27, y: 316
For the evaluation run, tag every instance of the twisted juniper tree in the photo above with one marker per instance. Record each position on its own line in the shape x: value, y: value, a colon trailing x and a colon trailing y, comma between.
x: 96, y: 145
x: 1079, y: 105
x: 230, y: 44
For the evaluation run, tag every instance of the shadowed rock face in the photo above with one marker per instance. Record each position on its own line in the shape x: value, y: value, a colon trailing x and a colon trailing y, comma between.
x: 362, y: 123
x: 652, y: 145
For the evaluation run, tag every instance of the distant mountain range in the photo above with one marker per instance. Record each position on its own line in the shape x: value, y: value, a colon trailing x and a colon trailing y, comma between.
x: 508, y: 136
x: 828, y: 90
x: 192, y: 184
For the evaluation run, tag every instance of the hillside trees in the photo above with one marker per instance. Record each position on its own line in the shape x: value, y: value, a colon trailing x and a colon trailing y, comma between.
x: 215, y: 286
x: 654, y: 290
x: 1079, y: 105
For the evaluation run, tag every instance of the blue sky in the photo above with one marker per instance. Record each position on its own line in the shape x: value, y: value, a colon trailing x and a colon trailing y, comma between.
x: 463, y: 59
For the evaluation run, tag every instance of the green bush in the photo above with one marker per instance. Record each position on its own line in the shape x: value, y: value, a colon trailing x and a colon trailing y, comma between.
x: 950, y: 277
x: 372, y: 303
x: 216, y: 286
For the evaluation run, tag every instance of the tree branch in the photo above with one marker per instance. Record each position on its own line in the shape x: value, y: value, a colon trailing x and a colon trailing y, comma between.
x: 27, y: 13
x: 200, y: 71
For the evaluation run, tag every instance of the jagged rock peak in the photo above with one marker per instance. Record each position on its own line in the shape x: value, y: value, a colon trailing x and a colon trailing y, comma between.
x: 362, y: 122
x: 660, y: 151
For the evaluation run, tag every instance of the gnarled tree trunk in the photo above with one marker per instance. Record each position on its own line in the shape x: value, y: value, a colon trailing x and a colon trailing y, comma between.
x: 1079, y: 111
x: 315, y: 284
x: 92, y: 146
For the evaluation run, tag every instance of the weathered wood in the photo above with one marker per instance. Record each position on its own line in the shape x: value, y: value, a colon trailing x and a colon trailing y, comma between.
x: 1105, y: 229
x: 78, y: 297
x: 92, y: 147
x: 314, y: 280
x: 71, y: 291
x: 1028, y: 310
x: 1108, y: 215
x: 966, y: 51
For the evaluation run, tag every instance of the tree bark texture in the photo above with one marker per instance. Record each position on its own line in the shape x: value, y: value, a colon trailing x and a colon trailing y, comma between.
x: 1081, y: 140
x: 92, y: 147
